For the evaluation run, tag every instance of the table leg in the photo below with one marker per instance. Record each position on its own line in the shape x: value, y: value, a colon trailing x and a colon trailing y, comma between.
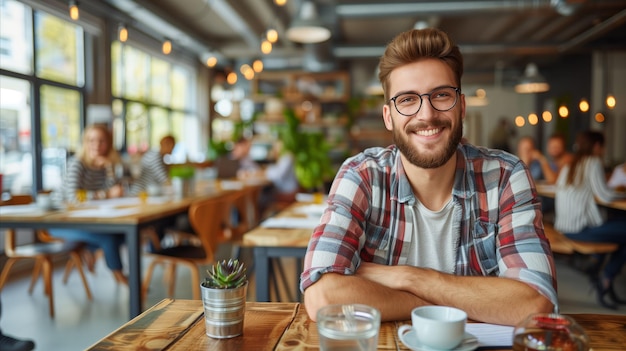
x: 134, y: 270
x: 261, y: 268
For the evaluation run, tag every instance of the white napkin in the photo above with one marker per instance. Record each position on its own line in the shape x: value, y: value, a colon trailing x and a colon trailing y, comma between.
x: 290, y: 222
x: 491, y: 334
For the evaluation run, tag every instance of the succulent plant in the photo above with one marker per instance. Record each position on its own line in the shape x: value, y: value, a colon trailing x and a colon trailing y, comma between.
x: 226, y: 275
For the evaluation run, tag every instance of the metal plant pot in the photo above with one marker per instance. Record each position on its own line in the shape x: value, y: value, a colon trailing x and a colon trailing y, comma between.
x: 224, y: 311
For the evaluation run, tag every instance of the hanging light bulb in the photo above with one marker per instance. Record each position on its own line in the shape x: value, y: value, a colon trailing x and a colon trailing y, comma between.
x: 280, y: 2
x: 599, y: 117
x: 257, y: 66
x: 167, y: 47
x: 74, y: 13
x: 231, y: 78
x: 563, y: 111
x: 547, y: 116
x: 272, y: 35
x: 123, y: 33
x: 266, y: 46
x: 211, y: 61
x: 610, y: 101
x: 583, y: 105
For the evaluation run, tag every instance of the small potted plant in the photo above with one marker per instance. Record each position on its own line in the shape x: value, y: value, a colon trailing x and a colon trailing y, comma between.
x: 224, y: 298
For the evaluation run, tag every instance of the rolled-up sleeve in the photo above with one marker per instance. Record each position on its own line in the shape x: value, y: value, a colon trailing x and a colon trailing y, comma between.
x: 524, y: 251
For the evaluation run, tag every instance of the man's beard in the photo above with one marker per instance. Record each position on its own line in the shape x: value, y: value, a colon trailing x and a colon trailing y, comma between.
x: 435, y: 160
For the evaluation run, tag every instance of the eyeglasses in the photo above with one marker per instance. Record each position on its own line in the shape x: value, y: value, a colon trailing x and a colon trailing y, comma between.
x: 441, y: 99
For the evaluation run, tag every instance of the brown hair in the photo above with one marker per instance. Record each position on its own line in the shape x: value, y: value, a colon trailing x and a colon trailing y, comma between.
x: 417, y: 44
x: 585, y: 143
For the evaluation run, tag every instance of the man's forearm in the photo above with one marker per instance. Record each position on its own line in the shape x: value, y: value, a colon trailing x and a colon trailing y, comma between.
x: 487, y: 299
x: 335, y: 288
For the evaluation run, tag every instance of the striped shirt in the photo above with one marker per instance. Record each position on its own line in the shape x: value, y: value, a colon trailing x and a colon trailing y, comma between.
x: 575, y: 205
x: 497, y: 219
x: 79, y: 176
x: 153, y: 171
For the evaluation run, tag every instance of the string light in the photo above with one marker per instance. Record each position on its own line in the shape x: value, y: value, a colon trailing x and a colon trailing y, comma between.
x: 167, y: 47
x: 211, y: 61
x: 520, y: 121
x: 563, y: 111
x: 123, y: 33
x: 547, y: 116
x: 599, y: 117
x: 272, y: 35
x: 533, y: 119
x: 257, y: 66
x: 583, y: 105
x: 231, y: 78
x: 266, y: 46
x: 610, y: 101
x: 280, y: 2
x: 74, y: 13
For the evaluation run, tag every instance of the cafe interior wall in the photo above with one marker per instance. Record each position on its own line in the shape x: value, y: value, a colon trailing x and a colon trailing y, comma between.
x: 609, y: 76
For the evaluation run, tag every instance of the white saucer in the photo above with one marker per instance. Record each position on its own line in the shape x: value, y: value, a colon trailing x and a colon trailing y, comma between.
x: 415, y: 345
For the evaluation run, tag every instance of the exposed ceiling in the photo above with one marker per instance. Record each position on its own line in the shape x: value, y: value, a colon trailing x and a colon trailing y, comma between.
x: 493, y: 35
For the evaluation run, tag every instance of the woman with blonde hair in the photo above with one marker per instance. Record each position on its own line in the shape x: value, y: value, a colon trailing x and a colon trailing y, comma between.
x: 92, y: 171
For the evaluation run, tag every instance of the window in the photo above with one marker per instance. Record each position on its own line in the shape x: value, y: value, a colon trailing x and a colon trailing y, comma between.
x: 16, y: 147
x: 57, y: 80
x: 153, y: 97
x: 16, y: 30
x: 59, y: 50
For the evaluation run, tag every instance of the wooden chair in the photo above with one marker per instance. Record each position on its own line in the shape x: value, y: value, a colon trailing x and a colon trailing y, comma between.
x: 211, y: 220
x: 42, y: 253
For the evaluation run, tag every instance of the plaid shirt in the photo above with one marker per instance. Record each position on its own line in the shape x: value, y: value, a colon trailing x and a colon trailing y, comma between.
x: 497, y: 217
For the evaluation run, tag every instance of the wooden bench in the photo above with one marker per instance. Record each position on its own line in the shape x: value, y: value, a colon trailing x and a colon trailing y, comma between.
x: 564, y: 245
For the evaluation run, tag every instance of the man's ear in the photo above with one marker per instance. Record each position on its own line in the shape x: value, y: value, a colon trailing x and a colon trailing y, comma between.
x: 387, y: 117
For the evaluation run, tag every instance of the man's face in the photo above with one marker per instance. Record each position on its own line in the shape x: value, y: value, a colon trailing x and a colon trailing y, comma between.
x: 429, y: 138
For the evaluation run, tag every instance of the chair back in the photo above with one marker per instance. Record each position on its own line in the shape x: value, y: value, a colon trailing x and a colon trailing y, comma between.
x: 209, y: 219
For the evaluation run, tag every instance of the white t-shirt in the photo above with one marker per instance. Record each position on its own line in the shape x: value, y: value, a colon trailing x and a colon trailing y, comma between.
x: 435, y: 246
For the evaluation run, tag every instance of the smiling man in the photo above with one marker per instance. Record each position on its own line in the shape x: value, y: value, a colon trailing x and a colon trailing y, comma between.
x: 430, y: 220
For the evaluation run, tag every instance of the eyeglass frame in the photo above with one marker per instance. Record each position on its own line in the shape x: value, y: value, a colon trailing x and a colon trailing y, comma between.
x: 457, y: 90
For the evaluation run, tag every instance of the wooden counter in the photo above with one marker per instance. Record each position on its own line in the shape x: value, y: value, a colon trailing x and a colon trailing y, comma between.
x: 179, y: 325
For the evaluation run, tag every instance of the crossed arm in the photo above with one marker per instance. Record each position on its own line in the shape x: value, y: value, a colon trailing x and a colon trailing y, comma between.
x: 396, y: 290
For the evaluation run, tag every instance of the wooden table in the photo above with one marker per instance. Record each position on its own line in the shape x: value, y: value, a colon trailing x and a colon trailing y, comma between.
x: 268, y: 243
x: 549, y: 190
x: 130, y: 225
x: 179, y: 325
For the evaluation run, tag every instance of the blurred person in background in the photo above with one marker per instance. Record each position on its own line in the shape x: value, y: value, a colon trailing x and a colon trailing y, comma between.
x: 579, y: 217
x: 91, y: 174
x: 154, y: 170
x: 556, y: 149
x: 537, y: 163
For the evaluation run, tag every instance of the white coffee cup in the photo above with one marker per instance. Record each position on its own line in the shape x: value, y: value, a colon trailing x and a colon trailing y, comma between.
x: 437, y: 327
x: 153, y: 189
x: 44, y: 201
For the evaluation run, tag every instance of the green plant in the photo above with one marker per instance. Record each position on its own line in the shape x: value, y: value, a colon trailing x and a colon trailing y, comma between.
x: 310, y: 149
x: 226, y: 275
x: 182, y: 171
